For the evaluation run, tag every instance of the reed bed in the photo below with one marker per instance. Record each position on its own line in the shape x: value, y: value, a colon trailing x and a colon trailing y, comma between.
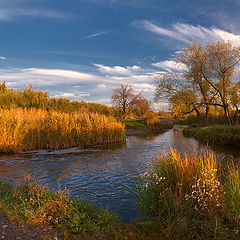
x: 159, y: 124
x: 31, y: 129
x: 191, y: 197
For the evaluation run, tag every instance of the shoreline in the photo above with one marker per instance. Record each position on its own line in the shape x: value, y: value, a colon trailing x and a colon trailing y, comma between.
x: 215, y: 134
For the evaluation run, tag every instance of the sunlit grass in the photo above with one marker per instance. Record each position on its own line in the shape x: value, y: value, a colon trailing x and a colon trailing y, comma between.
x: 29, y: 129
x: 187, y: 193
x: 156, y: 124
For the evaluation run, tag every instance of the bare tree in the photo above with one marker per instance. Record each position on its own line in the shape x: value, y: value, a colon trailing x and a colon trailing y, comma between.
x: 125, y: 98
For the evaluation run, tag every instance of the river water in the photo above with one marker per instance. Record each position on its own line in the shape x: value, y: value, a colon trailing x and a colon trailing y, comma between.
x: 101, y: 176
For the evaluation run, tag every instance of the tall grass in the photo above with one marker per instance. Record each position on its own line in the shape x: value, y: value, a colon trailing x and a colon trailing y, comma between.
x: 29, y: 129
x: 189, y: 197
x: 232, y: 196
x: 159, y: 124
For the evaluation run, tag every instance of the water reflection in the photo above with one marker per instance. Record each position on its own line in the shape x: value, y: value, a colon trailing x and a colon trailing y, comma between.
x: 97, y: 175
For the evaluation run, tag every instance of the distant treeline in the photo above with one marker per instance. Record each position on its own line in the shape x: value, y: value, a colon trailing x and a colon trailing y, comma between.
x: 30, y: 98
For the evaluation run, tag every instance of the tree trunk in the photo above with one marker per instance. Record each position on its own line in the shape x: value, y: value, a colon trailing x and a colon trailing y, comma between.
x: 207, y: 114
x: 226, y: 113
x: 197, y: 112
x: 236, y: 116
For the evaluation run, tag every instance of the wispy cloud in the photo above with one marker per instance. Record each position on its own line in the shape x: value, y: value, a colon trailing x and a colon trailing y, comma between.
x: 186, y: 32
x: 95, y: 35
x: 2, y: 58
x: 8, y: 14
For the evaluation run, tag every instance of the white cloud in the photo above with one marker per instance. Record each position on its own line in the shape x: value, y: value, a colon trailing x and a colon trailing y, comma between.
x: 101, y: 86
x: 67, y: 95
x: 40, y: 77
x: 170, y: 65
x: 186, y: 32
x: 2, y: 58
x: 79, y: 85
x: 95, y: 35
x: 118, y: 70
x: 60, y: 73
x: 84, y: 94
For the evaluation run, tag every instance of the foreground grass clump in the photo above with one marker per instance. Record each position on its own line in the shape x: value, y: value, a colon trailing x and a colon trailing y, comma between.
x: 29, y: 129
x: 217, y: 134
x: 190, y: 197
x: 34, y: 204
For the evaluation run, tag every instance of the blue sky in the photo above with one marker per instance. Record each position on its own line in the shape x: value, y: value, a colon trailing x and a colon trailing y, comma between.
x: 82, y: 49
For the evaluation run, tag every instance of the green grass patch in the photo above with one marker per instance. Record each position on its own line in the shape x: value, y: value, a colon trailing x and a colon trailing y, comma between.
x: 134, y: 123
x: 150, y: 125
x: 217, y: 134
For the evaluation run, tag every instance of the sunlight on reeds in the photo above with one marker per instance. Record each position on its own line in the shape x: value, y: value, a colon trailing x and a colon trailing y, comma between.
x: 174, y: 177
x: 183, y: 192
x: 30, y: 129
x: 157, y: 124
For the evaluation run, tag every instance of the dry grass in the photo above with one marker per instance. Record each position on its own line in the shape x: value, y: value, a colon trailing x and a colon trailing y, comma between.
x: 30, y: 129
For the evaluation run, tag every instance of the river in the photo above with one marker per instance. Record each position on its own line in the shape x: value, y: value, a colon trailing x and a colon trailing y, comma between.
x: 101, y: 176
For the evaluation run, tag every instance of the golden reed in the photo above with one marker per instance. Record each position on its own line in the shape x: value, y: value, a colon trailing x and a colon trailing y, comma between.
x: 30, y: 129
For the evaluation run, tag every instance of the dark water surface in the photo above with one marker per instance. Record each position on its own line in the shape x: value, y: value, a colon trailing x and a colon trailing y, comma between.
x: 98, y: 175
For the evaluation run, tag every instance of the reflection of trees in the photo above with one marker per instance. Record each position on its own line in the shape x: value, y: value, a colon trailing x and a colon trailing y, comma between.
x: 141, y: 139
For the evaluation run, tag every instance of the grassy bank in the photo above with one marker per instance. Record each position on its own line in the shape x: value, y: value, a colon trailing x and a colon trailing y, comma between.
x: 216, y: 134
x: 30, y: 129
x: 151, y: 125
x: 33, y: 204
x: 191, y: 197
x: 181, y: 197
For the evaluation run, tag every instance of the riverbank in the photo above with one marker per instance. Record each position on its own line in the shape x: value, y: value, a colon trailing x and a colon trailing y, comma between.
x: 189, y: 197
x: 215, y: 134
x: 154, y: 125
x: 33, y: 206
x: 31, y: 211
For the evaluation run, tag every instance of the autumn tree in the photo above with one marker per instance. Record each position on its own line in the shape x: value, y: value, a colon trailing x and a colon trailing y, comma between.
x: 212, y: 68
x: 210, y: 76
x: 178, y: 92
x: 235, y: 99
x: 125, y: 98
x: 195, y: 59
x: 142, y: 107
x: 184, y: 102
